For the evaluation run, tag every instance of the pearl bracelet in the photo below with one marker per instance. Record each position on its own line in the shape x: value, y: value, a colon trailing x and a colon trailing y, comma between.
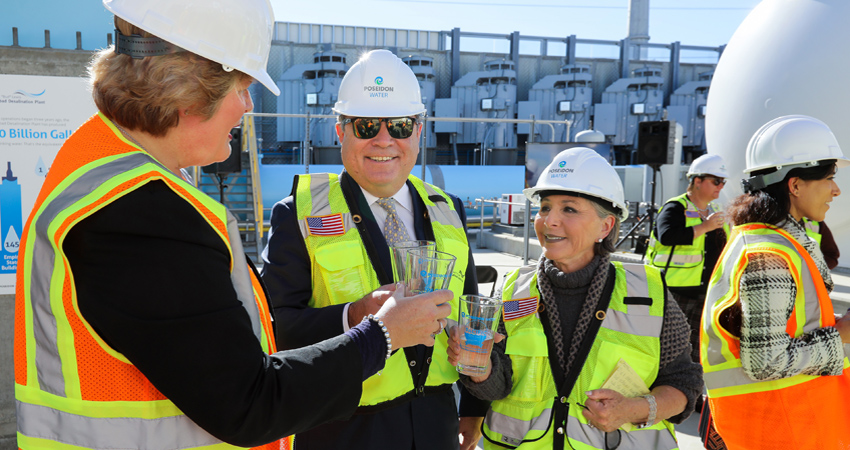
x: 386, y: 333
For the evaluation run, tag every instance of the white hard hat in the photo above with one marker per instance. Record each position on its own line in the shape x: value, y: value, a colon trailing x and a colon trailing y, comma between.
x: 235, y: 33
x: 708, y: 165
x: 786, y: 143
x: 379, y: 85
x: 581, y: 170
x: 591, y: 136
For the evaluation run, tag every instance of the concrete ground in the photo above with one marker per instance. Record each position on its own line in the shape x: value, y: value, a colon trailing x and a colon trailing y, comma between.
x: 686, y: 432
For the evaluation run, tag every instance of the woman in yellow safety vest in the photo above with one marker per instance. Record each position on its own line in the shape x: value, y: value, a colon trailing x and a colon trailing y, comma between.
x: 772, y: 350
x: 139, y: 321
x: 687, y: 239
x: 576, y: 318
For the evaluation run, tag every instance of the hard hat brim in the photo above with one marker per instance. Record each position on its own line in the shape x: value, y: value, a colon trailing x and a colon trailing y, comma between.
x: 533, y: 195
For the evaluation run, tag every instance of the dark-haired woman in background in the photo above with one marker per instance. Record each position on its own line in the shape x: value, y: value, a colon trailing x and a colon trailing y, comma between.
x: 772, y: 351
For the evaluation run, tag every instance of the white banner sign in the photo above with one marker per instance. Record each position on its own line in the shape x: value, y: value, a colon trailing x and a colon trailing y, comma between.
x: 37, y: 114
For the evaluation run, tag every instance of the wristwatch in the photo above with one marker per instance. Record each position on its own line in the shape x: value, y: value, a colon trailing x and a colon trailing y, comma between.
x: 653, y: 409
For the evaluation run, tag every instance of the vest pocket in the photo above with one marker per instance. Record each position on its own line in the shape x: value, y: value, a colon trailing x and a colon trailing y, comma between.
x: 530, y: 359
x: 611, y: 353
x: 341, y: 265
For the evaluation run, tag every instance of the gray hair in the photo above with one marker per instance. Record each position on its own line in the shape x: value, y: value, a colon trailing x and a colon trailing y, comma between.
x: 608, y: 244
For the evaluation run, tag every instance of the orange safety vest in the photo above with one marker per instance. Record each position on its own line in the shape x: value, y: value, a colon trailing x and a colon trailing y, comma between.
x: 797, y: 412
x: 71, y: 388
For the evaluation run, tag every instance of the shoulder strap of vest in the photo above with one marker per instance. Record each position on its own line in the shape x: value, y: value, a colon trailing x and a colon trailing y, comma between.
x: 569, y: 380
x: 384, y: 276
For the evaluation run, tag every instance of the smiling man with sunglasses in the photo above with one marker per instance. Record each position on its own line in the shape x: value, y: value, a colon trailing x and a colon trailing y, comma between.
x: 327, y: 252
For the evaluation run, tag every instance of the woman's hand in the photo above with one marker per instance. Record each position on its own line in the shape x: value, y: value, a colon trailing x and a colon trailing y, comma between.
x: 453, y: 352
x: 415, y: 320
x: 713, y: 222
x: 608, y: 410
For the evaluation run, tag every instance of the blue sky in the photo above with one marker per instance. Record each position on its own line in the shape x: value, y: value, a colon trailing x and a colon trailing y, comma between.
x: 691, y: 22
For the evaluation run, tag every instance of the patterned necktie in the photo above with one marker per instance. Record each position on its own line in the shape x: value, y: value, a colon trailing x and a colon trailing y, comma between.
x: 394, y: 229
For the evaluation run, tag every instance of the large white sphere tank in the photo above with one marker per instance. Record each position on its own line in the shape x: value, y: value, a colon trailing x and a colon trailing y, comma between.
x: 786, y: 57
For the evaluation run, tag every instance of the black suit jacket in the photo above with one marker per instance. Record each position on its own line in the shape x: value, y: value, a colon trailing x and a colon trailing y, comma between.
x: 425, y: 422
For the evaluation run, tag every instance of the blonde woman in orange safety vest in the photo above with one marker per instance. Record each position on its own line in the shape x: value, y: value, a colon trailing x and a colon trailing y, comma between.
x: 773, y: 352
x: 139, y: 321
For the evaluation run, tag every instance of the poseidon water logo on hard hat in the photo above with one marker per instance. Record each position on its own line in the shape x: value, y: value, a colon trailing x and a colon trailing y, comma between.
x: 560, y: 171
x: 378, y: 90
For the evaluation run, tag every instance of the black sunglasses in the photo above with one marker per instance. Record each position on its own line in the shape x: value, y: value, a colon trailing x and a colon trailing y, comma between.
x: 715, y: 180
x: 369, y: 127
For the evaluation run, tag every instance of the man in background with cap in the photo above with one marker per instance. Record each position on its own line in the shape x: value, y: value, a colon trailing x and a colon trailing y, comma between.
x: 327, y: 249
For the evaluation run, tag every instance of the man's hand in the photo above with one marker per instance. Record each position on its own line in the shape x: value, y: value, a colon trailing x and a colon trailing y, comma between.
x: 369, y: 304
x: 469, y: 432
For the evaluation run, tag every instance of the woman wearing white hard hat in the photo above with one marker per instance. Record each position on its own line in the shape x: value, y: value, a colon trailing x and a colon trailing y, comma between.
x: 576, y: 318
x: 772, y: 351
x: 140, y: 322
x: 687, y: 239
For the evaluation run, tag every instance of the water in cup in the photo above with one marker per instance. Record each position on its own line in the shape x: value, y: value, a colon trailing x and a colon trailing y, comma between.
x: 475, y: 349
x: 478, y: 319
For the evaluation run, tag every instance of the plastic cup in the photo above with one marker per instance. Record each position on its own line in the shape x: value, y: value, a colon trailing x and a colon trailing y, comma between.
x: 478, y: 318
x: 426, y: 270
x: 399, y: 253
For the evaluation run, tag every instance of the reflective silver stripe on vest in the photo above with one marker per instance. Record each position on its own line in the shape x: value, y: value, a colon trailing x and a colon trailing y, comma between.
x: 638, y: 321
x: 514, y: 430
x: 643, y: 439
x: 523, y: 282
x: 110, y: 433
x: 727, y: 378
x: 240, y: 276
x: 676, y: 259
x: 320, y: 191
x: 47, y: 361
x: 721, y: 288
x: 442, y: 212
x: 812, y: 226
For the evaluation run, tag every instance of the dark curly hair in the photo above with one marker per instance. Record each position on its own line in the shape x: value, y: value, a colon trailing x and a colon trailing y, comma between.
x: 773, y: 203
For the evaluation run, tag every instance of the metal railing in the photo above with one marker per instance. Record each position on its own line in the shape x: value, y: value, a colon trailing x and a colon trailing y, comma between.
x: 635, y: 227
x: 479, y: 239
x: 307, y: 148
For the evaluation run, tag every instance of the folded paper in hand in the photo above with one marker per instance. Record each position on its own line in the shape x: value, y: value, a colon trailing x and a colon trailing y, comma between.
x: 627, y: 382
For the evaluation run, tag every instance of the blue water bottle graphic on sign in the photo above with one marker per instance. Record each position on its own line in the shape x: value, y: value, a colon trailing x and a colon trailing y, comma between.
x: 10, y: 220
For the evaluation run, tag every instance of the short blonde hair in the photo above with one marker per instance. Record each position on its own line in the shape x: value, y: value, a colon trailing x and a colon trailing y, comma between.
x: 146, y: 94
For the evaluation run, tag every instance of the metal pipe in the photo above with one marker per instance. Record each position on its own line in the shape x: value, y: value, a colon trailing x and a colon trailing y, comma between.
x: 423, y: 149
x: 480, y: 238
x: 454, y: 146
x: 431, y: 119
x: 306, y: 150
x: 525, y: 233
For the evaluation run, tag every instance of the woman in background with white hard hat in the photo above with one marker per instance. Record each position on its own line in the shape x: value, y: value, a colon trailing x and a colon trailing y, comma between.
x: 772, y: 350
x: 140, y: 322
x: 574, y: 318
x: 687, y: 239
